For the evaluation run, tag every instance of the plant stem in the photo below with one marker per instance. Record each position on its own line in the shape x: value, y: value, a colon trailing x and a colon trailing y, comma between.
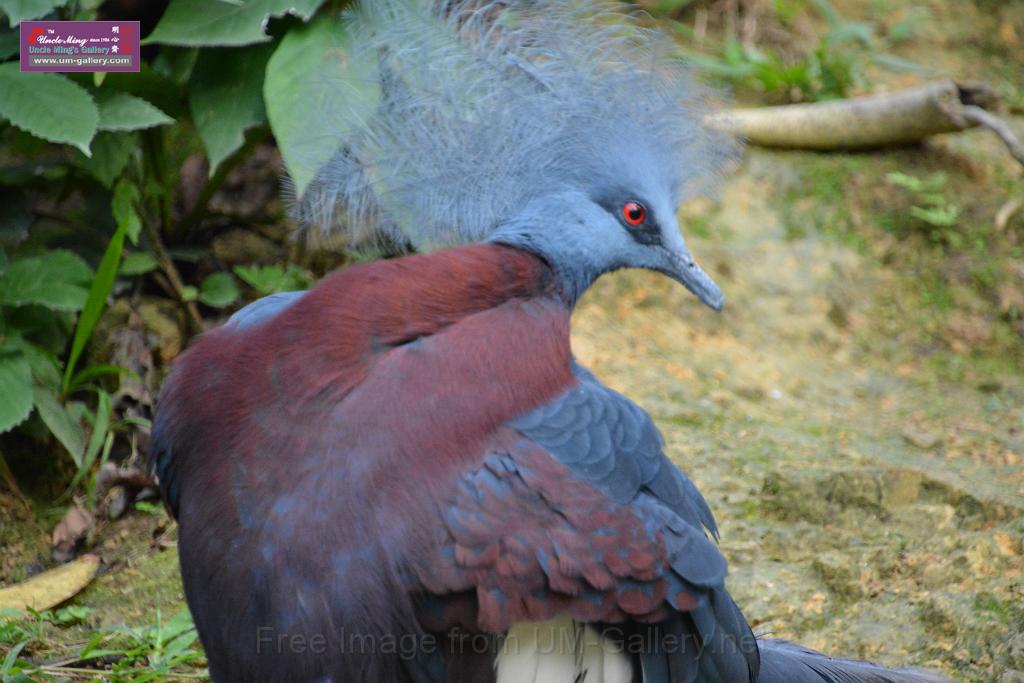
x: 173, y: 276
x: 12, y: 483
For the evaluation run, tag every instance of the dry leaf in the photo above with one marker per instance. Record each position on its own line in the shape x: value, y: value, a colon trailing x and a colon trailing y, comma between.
x: 52, y: 587
x: 71, y: 531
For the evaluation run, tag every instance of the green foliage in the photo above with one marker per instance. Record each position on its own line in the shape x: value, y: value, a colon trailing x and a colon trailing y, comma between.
x: 63, y: 421
x: 205, y: 23
x: 37, y: 296
x: 49, y: 106
x: 126, y: 196
x: 58, y: 280
x: 137, y: 263
x: 934, y: 213
x: 124, y: 112
x: 225, y: 96
x: 17, y: 627
x: 228, y: 89
x: 111, y: 153
x: 18, y: 11
x: 295, y: 75
x: 166, y: 650
x: 219, y: 290
x: 15, y: 387
x: 272, y: 279
x: 97, y: 195
x: 830, y: 71
x: 95, y: 302
x: 148, y: 653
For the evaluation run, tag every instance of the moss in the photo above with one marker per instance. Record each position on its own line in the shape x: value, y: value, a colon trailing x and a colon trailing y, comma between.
x: 790, y: 499
x: 937, y: 619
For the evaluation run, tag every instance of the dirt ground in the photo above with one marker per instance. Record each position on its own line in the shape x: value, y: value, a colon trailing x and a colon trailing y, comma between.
x: 866, y: 477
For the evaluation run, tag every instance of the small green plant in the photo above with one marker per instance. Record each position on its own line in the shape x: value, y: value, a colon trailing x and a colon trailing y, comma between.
x: 166, y: 650
x: 271, y: 279
x: 40, y: 295
x: 830, y: 71
x: 931, y: 209
x: 109, y: 156
x: 218, y: 290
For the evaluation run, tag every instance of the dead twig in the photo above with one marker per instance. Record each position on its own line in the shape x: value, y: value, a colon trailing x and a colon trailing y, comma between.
x: 975, y: 114
x: 1006, y: 212
x: 12, y: 484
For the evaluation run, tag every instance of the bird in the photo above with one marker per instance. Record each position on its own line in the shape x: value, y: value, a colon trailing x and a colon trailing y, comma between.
x: 403, y: 474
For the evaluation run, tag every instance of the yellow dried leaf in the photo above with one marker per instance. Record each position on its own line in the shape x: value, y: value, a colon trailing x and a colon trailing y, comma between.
x: 52, y: 587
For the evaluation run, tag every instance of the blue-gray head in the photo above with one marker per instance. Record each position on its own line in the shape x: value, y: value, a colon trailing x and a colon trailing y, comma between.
x: 561, y: 126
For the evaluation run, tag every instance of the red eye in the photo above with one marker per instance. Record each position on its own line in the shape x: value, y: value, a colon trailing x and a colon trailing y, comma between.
x: 634, y: 213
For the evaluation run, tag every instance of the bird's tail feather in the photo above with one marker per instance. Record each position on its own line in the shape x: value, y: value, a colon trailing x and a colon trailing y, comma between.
x: 783, y: 662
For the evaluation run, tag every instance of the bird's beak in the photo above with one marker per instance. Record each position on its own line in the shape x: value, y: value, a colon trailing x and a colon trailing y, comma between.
x: 683, y: 269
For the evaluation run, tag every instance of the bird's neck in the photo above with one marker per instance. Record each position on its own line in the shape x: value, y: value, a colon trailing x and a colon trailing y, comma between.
x: 569, y: 278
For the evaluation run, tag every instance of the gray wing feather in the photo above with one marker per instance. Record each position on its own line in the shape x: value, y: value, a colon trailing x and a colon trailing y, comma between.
x: 262, y: 310
x: 605, y: 438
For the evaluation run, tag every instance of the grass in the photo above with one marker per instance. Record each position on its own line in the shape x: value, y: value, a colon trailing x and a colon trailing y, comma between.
x: 120, y: 654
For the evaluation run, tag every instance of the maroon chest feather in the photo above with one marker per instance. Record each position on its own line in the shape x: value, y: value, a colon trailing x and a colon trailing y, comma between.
x: 404, y: 364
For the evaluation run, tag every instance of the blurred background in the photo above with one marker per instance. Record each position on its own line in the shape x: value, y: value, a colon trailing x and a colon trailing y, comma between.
x: 854, y: 416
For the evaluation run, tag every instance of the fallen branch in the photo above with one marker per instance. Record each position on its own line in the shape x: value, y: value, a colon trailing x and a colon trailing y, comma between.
x: 899, y: 118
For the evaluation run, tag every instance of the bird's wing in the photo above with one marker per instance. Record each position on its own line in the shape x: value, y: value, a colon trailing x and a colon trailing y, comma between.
x: 577, y: 510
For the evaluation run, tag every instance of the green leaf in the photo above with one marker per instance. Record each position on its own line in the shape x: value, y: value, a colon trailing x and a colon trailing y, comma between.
x: 60, y: 422
x: 82, y: 376
x: 100, y: 427
x: 271, y: 279
x: 98, y: 371
x: 898, y: 64
x: 58, y: 280
x: 15, y: 387
x: 219, y: 290
x: 137, y: 263
x: 859, y: 31
x: 827, y: 11
x: 152, y: 86
x: 110, y: 154
x: 22, y: 10
x: 903, y: 180
x: 126, y: 194
x: 189, y: 293
x: 12, y: 657
x: 241, y: 22
x: 226, y: 97
x: 176, y: 63
x: 939, y: 216
x: 49, y: 106
x: 99, y: 290
x: 314, y: 88
x: 121, y: 111
x: 41, y: 362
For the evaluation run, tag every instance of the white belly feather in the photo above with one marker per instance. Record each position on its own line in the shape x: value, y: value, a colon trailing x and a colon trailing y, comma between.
x: 560, y: 651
